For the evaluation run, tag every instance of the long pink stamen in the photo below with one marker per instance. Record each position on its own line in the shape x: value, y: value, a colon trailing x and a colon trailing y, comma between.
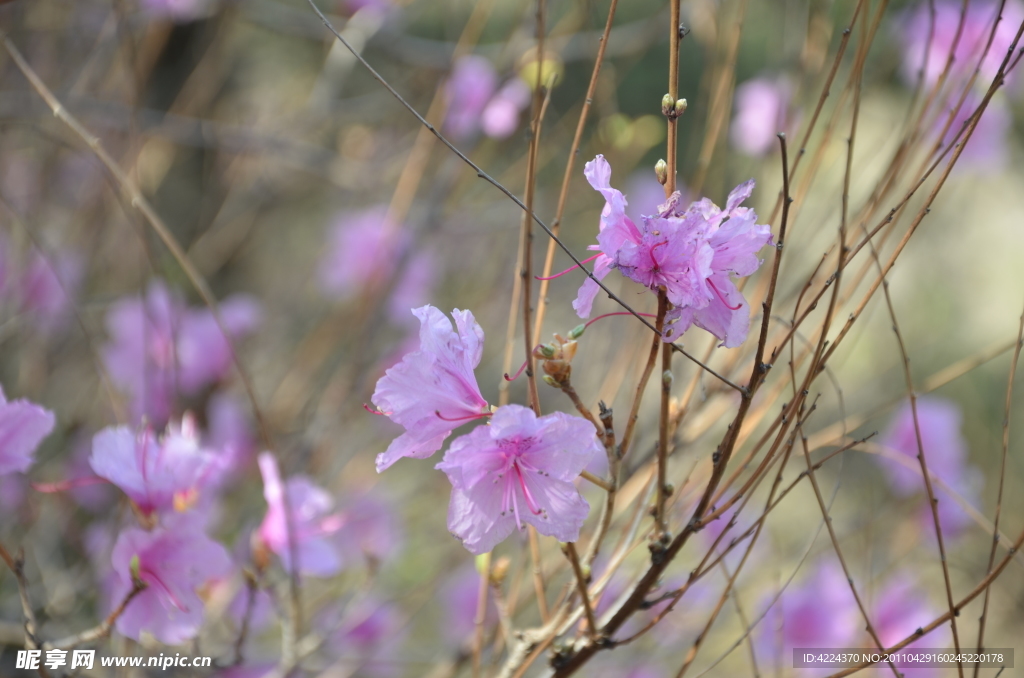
x: 722, y: 298
x: 466, y: 418
x: 154, y: 579
x: 518, y: 372
x: 654, y: 247
x: 371, y: 411
x: 531, y: 503
x: 594, y: 320
x: 571, y: 268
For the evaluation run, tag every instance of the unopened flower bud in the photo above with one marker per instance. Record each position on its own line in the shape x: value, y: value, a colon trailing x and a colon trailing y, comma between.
x: 549, y: 380
x: 578, y: 331
x: 545, y: 351
x: 667, y: 105
x: 666, y: 378
x: 680, y: 107
x: 661, y: 171
x: 482, y: 562
x: 499, y: 570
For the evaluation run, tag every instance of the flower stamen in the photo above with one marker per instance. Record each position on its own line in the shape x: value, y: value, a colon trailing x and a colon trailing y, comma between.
x: 571, y: 268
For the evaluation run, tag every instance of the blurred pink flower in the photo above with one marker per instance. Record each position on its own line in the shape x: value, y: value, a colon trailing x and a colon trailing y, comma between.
x: 692, y: 254
x: 364, y: 250
x: 460, y: 595
x: 819, y: 612
x: 371, y: 528
x: 23, y: 425
x: 900, y: 609
x: 518, y: 469
x: 988, y: 149
x: 364, y: 636
x: 917, y: 24
x: 434, y: 390
x: 309, y: 512
x: 160, y: 348
x: 160, y: 476
x: 174, y: 560
x: 945, y: 454
x: 45, y: 287
x: 229, y: 430
x: 762, y: 111
x: 473, y: 104
x: 178, y: 10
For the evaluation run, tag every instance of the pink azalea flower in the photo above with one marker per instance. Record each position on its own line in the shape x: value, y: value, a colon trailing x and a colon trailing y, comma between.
x: 23, y: 425
x: 762, y: 111
x: 917, y: 25
x: 310, y: 512
x: 735, y: 238
x: 692, y: 254
x: 159, y: 348
x: 518, y: 470
x: 162, y: 475
x: 476, y: 104
x: 174, y: 560
x: 434, y: 390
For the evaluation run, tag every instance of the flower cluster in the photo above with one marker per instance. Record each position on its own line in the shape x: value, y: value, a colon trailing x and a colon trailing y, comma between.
x: 517, y: 470
x: 476, y: 103
x: 691, y: 254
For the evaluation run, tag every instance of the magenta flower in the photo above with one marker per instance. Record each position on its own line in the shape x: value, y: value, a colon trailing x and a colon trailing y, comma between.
x: 476, y: 104
x: 762, y: 111
x: 162, y: 475
x: 518, y: 470
x: 364, y: 637
x: 45, y: 286
x: 159, y: 348
x: 371, y: 528
x: 23, y: 425
x: 434, y: 390
x: 310, y: 513
x: 459, y: 596
x: 691, y: 254
x: 918, y: 54
x: 173, y: 560
x: 230, y: 431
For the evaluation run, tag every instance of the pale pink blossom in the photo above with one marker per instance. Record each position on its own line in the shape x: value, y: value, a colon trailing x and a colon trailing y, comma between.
x: 518, y: 470
x: 160, y: 475
x: 434, y: 390
x: 762, y: 111
x: 308, y: 513
x: 692, y: 254
x: 174, y: 560
x: 23, y: 425
x: 178, y: 10
x: 475, y: 103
